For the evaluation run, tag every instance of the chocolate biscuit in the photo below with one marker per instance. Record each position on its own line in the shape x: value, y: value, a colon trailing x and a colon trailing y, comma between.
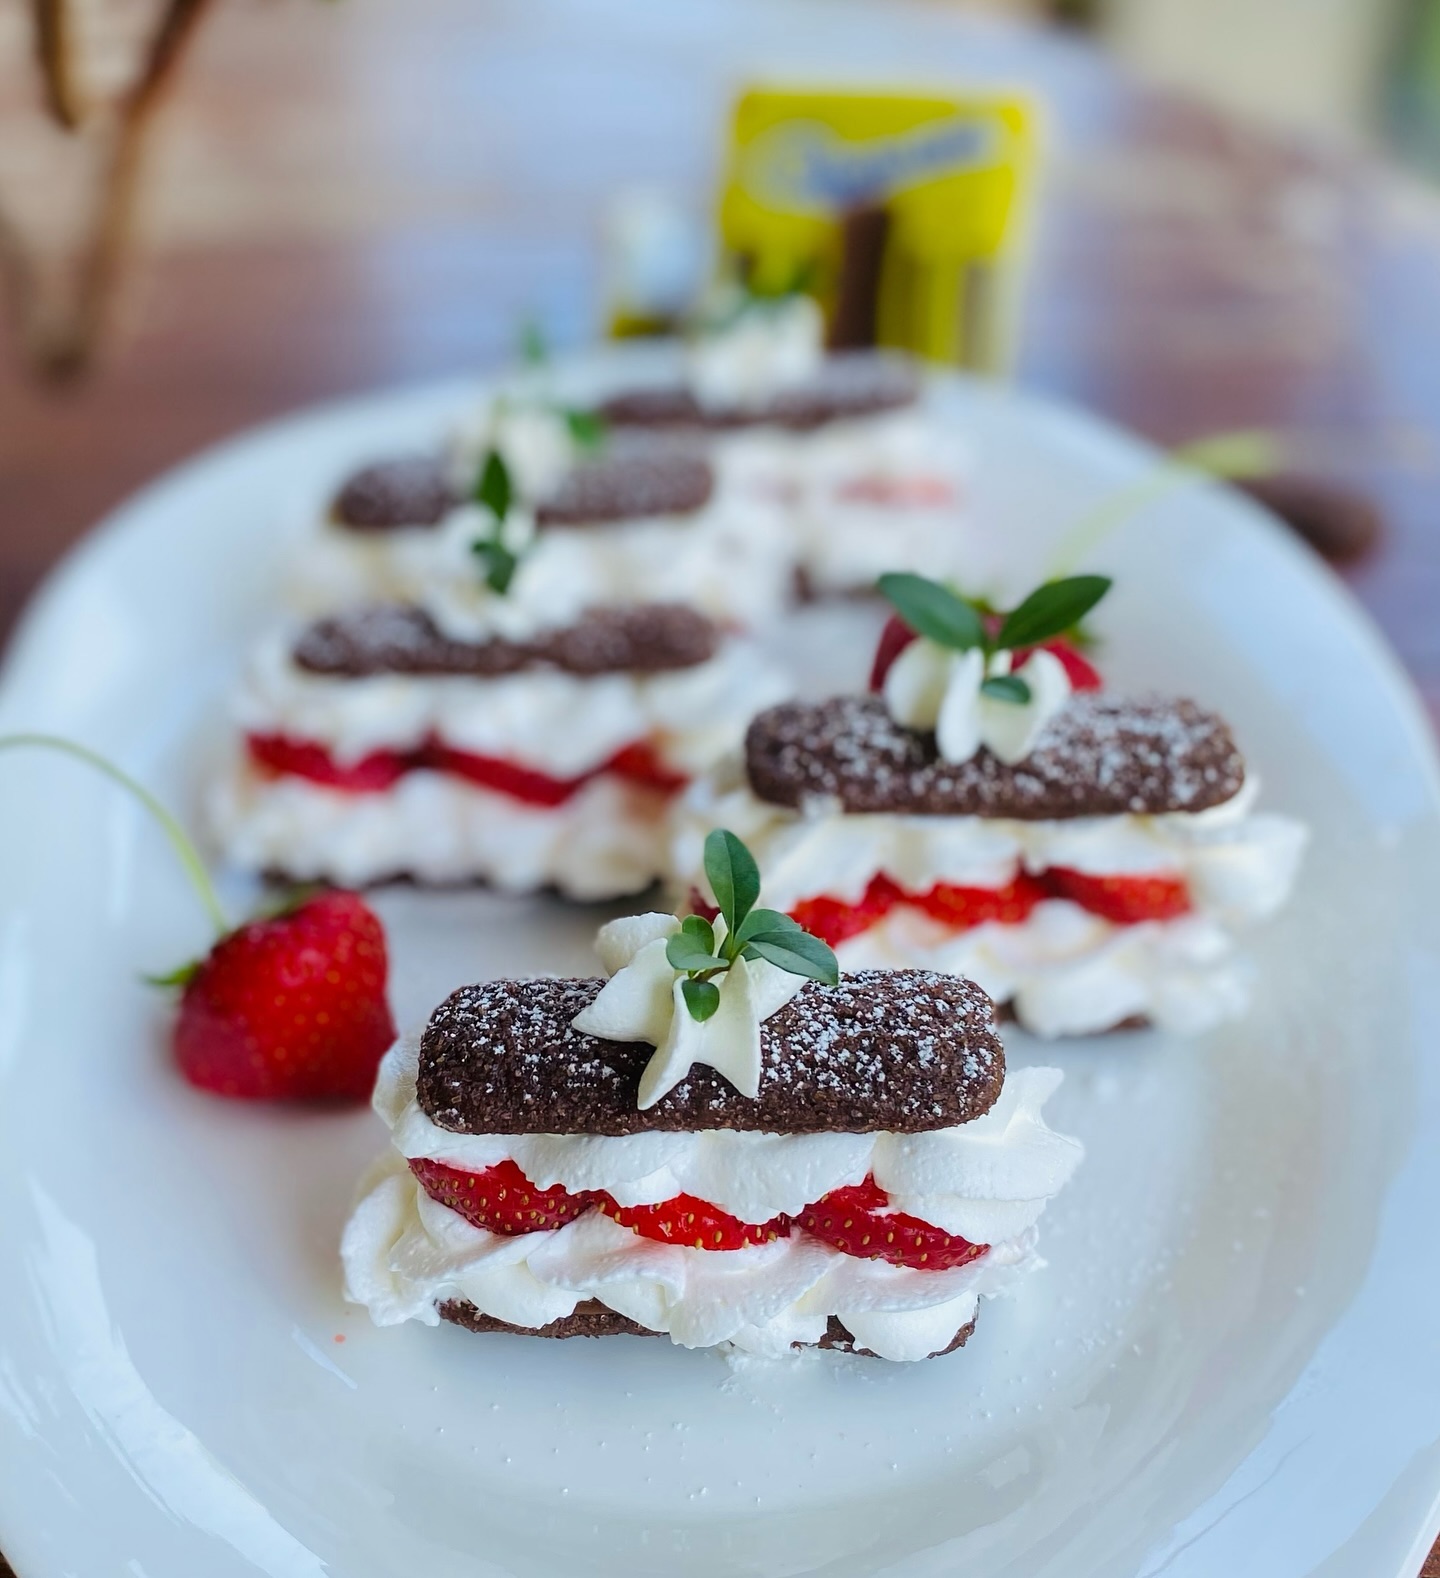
x: 411, y: 491
x: 852, y: 385
x: 631, y: 486
x: 592, y: 1319
x: 905, y: 1051
x: 1100, y: 756
x: 398, y: 639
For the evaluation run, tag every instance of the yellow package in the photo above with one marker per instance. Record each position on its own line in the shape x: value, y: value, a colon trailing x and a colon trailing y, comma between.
x: 903, y: 213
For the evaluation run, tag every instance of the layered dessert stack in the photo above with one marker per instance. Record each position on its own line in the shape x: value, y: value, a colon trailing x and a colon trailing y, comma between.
x: 618, y: 518
x: 849, y: 446
x: 374, y: 745
x: 1086, y: 858
x: 725, y: 1143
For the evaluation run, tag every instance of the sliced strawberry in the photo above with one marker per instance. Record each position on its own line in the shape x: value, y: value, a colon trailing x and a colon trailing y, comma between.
x: 290, y: 1008
x: 501, y: 1199
x: 917, y: 492
x: 1126, y: 900
x: 1079, y: 670
x: 856, y: 1221
x: 834, y: 921
x: 965, y: 907
x: 894, y: 638
x: 694, y: 1223
x: 505, y: 777
x: 639, y: 762
x: 304, y: 759
x: 642, y: 764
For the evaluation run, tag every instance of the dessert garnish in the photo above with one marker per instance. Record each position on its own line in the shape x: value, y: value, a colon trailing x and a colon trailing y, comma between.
x: 290, y: 1006
x: 498, y: 551
x: 698, y: 990
x: 979, y: 680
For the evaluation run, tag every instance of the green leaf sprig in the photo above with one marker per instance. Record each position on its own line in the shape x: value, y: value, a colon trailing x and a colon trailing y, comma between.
x: 961, y: 624
x: 750, y: 933
x: 495, y: 492
x: 588, y: 430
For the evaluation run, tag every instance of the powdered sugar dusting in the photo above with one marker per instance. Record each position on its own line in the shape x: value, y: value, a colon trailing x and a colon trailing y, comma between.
x: 904, y: 1051
x: 1100, y: 756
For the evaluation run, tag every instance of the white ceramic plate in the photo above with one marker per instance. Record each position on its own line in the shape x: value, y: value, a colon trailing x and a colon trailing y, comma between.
x: 1231, y: 1365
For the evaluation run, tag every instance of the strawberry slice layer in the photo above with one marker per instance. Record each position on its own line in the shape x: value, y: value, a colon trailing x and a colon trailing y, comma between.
x: 1126, y: 900
x: 1123, y: 900
x: 695, y: 1223
x: 639, y: 762
x: 303, y: 759
x: 915, y: 492
x: 834, y: 921
x: 501, y: 1199
x: 505, y: 777
x: 857, y: 1221
x: 965, y: 907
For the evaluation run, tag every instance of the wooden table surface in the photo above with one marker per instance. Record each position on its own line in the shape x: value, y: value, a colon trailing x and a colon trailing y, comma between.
x: 365, y: 194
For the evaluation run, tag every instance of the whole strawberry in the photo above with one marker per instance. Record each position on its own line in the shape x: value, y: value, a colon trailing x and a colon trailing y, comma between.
x: 288, y: 1008
x: 291, y: 1008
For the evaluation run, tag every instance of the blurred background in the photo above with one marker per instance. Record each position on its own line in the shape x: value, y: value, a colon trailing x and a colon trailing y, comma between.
x: 212, y: 211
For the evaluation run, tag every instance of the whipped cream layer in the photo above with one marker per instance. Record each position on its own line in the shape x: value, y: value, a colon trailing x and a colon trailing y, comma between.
x: 558, y: 723
x: 1067, y: 972
x: 862, y: 496
x: 729, y: 559
x: 988, y: 1180
x: 606, y: 841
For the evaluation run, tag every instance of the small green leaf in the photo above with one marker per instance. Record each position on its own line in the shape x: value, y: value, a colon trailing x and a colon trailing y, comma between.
x: 797, y: 953
x: 181, y: 977
x: 702, y: 998
x: 494, y: 489
x: 1051, y: 609
x: 684, y: 953
x: 933, y: 610
x: 734, y: 877
x: 1006, y: 687
x: 701, y: 930
x: 534, y: 347
x: 758, y: 921
x: 587, y: 428
x: 499, y: 562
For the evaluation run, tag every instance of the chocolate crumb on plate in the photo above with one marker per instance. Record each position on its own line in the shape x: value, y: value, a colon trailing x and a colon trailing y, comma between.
x: 629, y: 486
x: 849, y: 385
x: 413, y: 490
x: 900, y: 1050
x: 391, y: 638
x: 1100, y: 756
x: 1338, y: 523
x: 592, y: 1319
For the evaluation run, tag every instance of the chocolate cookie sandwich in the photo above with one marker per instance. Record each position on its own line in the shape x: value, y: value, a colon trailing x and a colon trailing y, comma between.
x: 724, y: 1142
x: 379, y: 744
x: 868, y: 474
x: 610, y: 518
x: 989, y: 810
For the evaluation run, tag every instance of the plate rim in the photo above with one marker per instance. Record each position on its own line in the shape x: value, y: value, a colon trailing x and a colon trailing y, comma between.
x: 45, y: 607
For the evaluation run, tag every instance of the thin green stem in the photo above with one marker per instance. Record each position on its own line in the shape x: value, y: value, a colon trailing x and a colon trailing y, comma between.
x: 1225, y: 456
x: 179, y: 839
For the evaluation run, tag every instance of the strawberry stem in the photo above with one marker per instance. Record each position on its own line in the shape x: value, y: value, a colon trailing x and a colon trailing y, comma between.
x: 178, y: 837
